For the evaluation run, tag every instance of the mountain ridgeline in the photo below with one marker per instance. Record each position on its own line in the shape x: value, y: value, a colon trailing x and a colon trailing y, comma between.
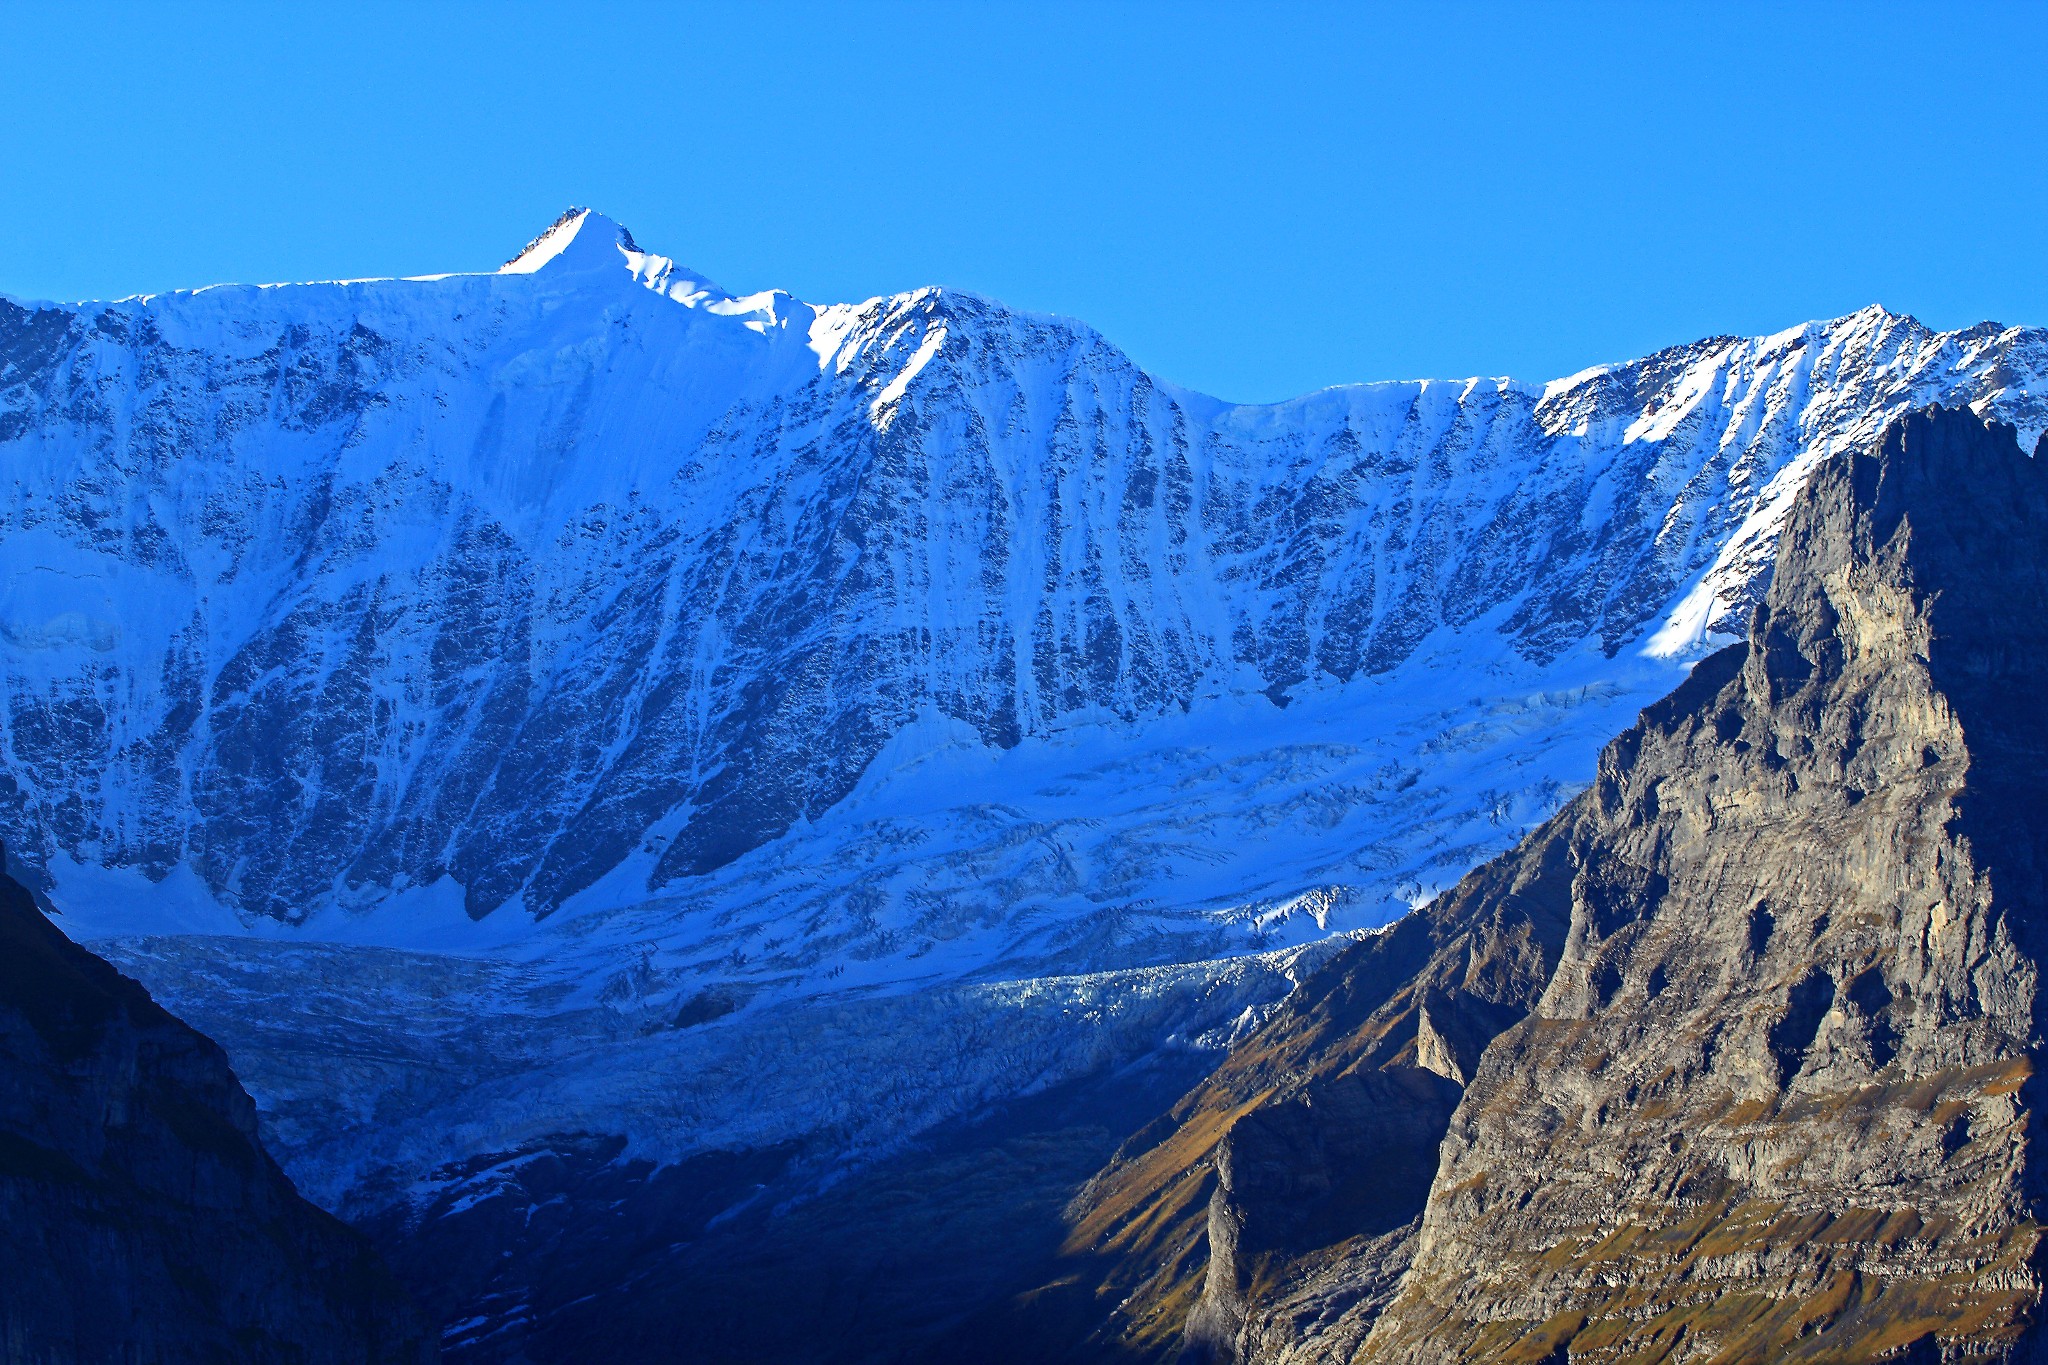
x: 1734, y: 1059
x: 324, y: 592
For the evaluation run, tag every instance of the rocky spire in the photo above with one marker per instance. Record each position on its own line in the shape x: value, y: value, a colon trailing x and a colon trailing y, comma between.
x: 1753, y: 1022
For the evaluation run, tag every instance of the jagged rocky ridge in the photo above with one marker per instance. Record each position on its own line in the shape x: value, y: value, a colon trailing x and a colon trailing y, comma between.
x: 143, y: 1221
x: 1734, y: 1059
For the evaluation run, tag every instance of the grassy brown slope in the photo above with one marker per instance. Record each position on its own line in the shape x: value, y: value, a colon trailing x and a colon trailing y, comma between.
x: 1474, y: 960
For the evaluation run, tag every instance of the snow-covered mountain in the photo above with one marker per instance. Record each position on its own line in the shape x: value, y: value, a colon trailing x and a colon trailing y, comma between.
x: 324, y: 592
x: 578, y: 700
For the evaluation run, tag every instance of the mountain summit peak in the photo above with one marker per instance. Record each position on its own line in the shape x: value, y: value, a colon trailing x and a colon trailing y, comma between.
x: 579, y: 239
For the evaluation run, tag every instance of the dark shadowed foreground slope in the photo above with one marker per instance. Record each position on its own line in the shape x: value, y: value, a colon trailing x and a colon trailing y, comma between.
x: 140, y: 1221
x: 1732, y: 1060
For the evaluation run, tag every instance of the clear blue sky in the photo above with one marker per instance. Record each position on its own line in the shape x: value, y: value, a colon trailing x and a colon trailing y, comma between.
x: 1253, y: 200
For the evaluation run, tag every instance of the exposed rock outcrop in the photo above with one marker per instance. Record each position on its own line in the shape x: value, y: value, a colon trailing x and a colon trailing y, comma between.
x: 1777, y: 1102
x: 1345, y: 1162
x: 1773, y: 1097
x: 143, y: 1222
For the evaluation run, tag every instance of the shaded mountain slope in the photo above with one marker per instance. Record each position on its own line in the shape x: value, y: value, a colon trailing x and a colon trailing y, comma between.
x: 1746, y: 1035
x: 581, y: 1256
x: 142, y: 1219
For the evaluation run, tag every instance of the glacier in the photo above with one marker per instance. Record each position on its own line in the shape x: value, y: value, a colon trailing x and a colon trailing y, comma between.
x: 575, y: 699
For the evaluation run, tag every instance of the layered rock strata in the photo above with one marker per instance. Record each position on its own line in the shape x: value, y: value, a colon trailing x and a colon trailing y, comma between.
x: 1746, y: 1036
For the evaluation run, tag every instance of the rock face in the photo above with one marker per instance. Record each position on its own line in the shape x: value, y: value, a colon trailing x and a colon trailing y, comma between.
x: 1778, y: 1100
x: 1763, y: 1084
x: 143, y: 1221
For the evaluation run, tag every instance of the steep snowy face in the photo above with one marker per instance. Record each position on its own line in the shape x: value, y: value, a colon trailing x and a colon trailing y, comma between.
x: 588, y: 572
